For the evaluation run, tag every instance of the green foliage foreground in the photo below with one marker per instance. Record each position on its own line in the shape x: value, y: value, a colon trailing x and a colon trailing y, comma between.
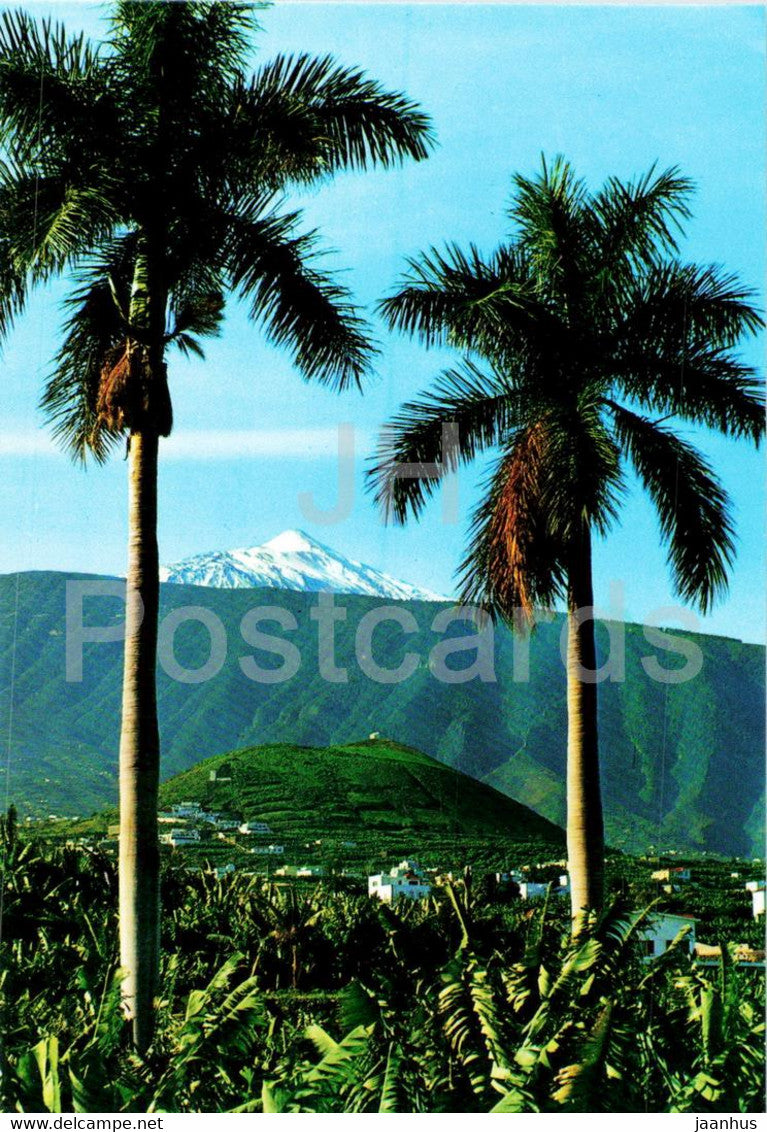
x: 327, y: 1002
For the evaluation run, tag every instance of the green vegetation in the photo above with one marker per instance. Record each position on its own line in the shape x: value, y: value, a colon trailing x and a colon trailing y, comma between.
x: 290, y: 999
x: 507, y: 733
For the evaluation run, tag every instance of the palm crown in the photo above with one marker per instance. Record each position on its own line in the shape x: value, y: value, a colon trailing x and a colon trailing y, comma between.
x: 581, y: 337
x: 155, y: 167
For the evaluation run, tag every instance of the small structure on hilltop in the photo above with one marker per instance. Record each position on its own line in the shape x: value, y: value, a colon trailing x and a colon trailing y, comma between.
x: 222, y: 773
x: 406, y: 880
x: 661, y: 930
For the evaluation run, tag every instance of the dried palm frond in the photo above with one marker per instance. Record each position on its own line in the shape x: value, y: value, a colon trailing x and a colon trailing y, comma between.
x: 514, y: 560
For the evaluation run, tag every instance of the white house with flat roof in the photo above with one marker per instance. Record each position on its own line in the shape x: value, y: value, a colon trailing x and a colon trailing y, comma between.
x: 406, y: 880
x: 178, y: 837
x: 250, y: 827
x: 661, y: 930
x: 529, y: 889
x: 187, y: 810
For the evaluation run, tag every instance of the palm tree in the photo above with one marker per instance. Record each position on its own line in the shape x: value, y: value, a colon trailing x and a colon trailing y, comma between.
x: 155, y: 167
x: 582, y: 336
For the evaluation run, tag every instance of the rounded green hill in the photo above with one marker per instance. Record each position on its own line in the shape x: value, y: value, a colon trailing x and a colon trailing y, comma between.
x: 373, y: 785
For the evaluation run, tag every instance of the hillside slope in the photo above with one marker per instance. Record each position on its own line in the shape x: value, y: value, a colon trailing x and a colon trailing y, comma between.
x: 683, y: 763
x: 375, y: 785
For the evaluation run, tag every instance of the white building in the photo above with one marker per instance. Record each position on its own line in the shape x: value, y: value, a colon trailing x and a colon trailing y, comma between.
x: 405, y: 880
x: 757, y: 890
x: 231, y: 824
x: 311, y: 872
x: 178, y: 837
x: 661, y: 930
x: 678, y: 875
x: 187, y: 810
x: 529, y: 889
x: 249, y: 827
x: 268, y: 850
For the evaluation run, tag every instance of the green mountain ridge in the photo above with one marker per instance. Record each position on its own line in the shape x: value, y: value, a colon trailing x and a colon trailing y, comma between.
x: 683, y: 764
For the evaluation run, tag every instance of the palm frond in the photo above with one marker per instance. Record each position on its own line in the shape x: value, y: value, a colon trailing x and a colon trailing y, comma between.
x: 692, y: 505
x: 639, y: 220
x: 86, y: 395
x: 59, y: 115
x: 47, y: 81
x: 587, y: 480
x: 12, y: 287
x: 332, y: 117
x: 456, y: 298
x: 95, y: 330
x: 687, y: 305
x: 467, y: 412
x: 50, y: 222
x: 515, y: 558
x: 706, y: 386
x: 197, y: 313
x: 301, y: 306
x: 211, y: 40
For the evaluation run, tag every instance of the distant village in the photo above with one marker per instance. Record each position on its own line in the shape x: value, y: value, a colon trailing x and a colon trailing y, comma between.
x: 188, y: 826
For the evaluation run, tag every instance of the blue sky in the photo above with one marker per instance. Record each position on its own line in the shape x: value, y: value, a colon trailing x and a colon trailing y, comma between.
x: 614, y: 89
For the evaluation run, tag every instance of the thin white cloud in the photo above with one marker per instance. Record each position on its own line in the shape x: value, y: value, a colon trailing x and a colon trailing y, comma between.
x: 27, y: 443
x: 245, y: 444
x: 216, y: 444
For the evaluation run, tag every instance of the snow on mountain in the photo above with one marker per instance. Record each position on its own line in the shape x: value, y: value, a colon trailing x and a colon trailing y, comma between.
x: 291, y: 561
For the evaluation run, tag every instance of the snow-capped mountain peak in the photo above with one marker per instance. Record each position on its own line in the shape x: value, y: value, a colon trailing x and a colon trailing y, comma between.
x: 291, y: 542
x: 291, y: 561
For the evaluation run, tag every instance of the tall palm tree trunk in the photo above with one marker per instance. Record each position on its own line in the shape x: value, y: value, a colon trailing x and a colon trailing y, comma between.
x: 139, y: 869
x: 585, y: 829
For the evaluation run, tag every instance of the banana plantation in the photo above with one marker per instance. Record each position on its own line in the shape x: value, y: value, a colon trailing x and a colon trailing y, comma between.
x: 289, y: 1000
